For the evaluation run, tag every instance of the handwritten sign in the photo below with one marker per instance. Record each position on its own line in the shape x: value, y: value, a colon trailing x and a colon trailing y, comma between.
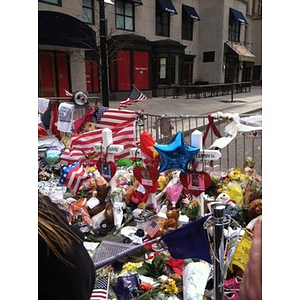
x: 208, y: 155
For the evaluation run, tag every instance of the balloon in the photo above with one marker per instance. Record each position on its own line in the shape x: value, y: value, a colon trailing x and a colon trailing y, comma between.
x: 147, y: 143
x: 52, y: 155
x: 174, y: 192
x: 176, y: 154
x: 196, y: 182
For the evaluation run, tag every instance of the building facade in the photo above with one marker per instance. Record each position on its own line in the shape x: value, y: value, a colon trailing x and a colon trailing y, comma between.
x: 150, y: 44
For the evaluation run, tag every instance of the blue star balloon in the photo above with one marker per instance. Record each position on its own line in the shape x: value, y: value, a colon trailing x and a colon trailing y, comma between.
x: 176, y: 154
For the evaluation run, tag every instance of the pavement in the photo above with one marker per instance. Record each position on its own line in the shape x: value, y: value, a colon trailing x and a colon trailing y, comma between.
x: 243, y: 103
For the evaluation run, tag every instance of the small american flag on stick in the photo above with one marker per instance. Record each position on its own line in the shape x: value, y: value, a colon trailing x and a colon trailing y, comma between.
x: 135, y: 96
x: 100, y: 290
x: 152, y: 229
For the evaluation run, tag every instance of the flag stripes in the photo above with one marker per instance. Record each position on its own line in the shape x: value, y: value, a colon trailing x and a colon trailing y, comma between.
x: 83, y: 144
x: 134, y: 96
x: 100, y: 291
x: 114, y: 116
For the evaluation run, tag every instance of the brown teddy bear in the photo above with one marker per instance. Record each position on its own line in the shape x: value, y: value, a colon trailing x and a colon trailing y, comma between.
x: 100, y: 193
x: 255, y: 209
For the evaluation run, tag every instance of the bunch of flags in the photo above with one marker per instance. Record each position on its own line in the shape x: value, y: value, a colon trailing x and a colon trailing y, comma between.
x: 122, y: 124
x: 135, y: 96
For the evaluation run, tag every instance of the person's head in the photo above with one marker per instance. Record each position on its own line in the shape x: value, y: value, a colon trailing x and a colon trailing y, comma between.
x: 54, y: 230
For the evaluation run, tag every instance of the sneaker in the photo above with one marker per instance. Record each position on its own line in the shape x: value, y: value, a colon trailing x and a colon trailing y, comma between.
x: 233, y: 283
x: 230, y: 295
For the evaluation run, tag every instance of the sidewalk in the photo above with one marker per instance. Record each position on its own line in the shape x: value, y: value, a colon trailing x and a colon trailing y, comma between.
x: 249, y: 102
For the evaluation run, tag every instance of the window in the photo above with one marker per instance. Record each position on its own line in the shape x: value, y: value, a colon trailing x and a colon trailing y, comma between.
x: 87, y: 11
x: 124, y: 15
x: 209, y: 56
x: 189, y: 15
x: 176, y: 69
x: 234, y: 29
x: 56, y: 2
x: 259, y: 7
x: 162, y: 21
x: 187, y: 27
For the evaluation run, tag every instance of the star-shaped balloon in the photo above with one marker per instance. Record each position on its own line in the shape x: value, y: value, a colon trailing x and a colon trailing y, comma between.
x: 176, y: 154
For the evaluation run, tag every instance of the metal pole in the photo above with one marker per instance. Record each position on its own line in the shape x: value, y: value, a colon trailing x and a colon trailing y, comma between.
x: 218, y: 242
x: 103, y: 50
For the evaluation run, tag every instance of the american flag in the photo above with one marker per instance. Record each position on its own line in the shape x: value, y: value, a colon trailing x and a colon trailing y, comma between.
x: 112, y: 117
x: 73, y: 175
x: 152, y: 229
x: 82, y: 145
x: 134, y: 96
x: 100, y: 290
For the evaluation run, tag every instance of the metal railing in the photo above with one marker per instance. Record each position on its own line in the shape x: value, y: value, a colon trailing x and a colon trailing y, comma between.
x: 164, y: 128
x: 202, y: 90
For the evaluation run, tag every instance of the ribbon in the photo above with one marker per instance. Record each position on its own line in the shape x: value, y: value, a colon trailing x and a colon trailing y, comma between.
x: 211, y: 125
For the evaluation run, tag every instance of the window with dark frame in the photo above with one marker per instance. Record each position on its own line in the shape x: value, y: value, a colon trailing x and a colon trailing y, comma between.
x: 124, y: 15
x: 209, y: 56
x: 88, y: 11
x: 186, y: 26
x: 259, y: 7
x: 55, y: 2
x: 162, y: 21
x: 234, y: 29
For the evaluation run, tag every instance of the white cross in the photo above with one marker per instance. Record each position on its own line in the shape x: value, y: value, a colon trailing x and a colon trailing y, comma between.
x: 111, y: 149
x: 196, y: 141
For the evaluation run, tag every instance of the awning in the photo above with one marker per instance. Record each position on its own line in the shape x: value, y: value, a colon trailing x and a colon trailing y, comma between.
x: 238, y: 16
x: 138, y: 2
x: 59, y: 29
x: 243, y: 53
x: 167, y: 6
x: 191, y: 12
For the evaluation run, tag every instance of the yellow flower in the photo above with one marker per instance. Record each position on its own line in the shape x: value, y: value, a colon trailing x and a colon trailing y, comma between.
x: 170, y: 287
x: 92, y: 169
x: 194, y: 203
x: 131, y: 267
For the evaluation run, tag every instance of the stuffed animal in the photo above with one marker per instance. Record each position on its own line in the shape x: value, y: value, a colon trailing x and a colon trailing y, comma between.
x: 91, y: 184
x: 88, y: 126
x: 171, y: 223
x: 255, y: 209
x: 101, y: 194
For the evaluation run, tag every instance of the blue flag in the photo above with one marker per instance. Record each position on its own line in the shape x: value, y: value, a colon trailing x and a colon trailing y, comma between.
x: 189, y: 241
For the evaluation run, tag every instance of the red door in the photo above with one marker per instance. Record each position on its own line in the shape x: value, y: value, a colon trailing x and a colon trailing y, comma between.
x: 47, y: 86
x: 53, y: 74
x: 124, y: 70
x: 62, y: 73
x: 141, y: 69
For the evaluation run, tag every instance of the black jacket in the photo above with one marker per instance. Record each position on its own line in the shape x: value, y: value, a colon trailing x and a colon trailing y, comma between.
x: 58, y: 281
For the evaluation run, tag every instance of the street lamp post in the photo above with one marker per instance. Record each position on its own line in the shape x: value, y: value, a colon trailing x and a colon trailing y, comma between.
x: 103, y: 52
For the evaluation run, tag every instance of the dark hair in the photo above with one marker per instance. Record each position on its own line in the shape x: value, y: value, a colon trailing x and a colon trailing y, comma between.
x: 54, y: 229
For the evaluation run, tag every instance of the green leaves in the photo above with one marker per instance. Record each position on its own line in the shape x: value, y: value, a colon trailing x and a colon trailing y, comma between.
x: 152, y: 269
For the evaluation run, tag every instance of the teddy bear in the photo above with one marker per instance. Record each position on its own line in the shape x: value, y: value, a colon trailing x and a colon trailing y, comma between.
x: 101, y: 194
x: 255, y: 209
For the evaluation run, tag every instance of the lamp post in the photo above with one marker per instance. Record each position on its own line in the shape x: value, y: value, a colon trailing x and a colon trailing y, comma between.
x: 103, y: 50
